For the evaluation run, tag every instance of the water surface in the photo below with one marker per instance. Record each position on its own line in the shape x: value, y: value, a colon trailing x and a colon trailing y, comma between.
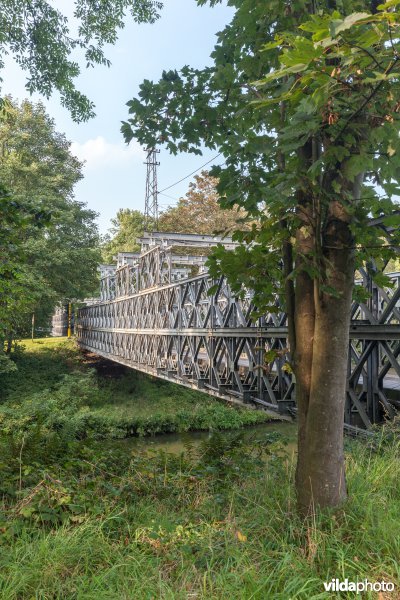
x: 176, y: 442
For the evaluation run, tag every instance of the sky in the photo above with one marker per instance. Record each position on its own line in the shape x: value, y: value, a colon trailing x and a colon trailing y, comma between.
x: 114, y: 173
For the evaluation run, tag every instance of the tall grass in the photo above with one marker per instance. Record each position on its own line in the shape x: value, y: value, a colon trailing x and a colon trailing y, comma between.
x: 215, y: 523
x: 89, y: 520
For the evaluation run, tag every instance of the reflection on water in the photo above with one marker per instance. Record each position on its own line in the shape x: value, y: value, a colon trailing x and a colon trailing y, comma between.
x: 176, y: 442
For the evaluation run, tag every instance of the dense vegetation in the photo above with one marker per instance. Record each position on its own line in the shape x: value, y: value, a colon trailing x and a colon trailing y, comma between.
x: 58, y: 395
x: 101, y: 520
x: 43, y: 41
x: 49, y: 243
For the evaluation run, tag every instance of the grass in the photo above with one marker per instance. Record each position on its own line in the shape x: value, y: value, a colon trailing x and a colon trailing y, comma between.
x: 94, y: 521
x: 153, y: 525
x: 116, y: 401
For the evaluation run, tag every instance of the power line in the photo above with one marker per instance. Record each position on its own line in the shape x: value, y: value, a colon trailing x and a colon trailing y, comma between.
x: 190, y: 174
x: 170, y: 197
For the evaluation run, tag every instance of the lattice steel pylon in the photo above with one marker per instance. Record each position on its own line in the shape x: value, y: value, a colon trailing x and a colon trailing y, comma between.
x: 151, y: 201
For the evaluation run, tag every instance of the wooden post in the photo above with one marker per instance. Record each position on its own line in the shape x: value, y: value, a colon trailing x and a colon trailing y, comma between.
x: 33, y: 325
x: 69, y: 320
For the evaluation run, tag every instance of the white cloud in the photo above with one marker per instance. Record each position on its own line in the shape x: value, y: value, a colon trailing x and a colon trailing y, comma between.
x: 98, y: 153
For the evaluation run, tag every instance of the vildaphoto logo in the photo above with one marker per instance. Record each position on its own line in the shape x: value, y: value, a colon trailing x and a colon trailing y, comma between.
x: 336, y: 585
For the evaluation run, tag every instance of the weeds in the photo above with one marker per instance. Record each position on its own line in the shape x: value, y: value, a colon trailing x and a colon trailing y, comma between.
x: 133, y: 525
x: 56, y: 396
x: 218, y: 520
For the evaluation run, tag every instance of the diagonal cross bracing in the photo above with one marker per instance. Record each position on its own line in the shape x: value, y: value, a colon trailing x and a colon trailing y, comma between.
x: 178, y: 332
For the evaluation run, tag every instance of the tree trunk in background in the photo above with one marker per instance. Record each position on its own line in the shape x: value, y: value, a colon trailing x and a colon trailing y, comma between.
x: 9, y: 343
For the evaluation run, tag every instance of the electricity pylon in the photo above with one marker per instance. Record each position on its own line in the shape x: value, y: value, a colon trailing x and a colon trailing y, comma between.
x: 151, y: 202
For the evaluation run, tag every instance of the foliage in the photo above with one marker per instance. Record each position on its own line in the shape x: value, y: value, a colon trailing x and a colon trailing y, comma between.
x: 331, y: 79
x: 56, y: 397
x: 127, y: 226
x: 6, y: 364
x: 39, y: 38
x: 199, y: 211
x: 46, y: 421
x: 344, y: 91
x: 16, y: 217
x: 35, y: 154
x: 51, y: 244
x: 122, y: 522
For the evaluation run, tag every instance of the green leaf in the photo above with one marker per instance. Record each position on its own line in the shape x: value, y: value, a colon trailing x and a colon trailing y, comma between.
x: 27, y: 511
x: 355, y: 165
x: 213, y: 290
x: 304, y: 51
x: 388, y: 4
x: 279, y: 74
x: 270, y: 356
x: 272, y: 45
x: 382, y: 280
x: 341, y: 25
x: 392, y: 220
x: 379, y: 77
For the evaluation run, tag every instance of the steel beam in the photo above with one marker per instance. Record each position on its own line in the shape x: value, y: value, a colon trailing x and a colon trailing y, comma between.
x: 178, y: 331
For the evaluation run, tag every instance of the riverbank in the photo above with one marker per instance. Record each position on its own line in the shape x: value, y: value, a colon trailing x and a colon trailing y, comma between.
x: 216, y: 521
x: 212, y: 518
x: 107, y: 400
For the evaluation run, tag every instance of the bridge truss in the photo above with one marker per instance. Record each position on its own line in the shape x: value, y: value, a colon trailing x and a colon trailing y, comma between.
x: 156, y: 315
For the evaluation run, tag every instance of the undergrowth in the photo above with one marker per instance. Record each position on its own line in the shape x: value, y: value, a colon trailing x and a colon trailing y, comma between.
x: 85, y: 520
x: 216, y: 521
x: 58, y: 395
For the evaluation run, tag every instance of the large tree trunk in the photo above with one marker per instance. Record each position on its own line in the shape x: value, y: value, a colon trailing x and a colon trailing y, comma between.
x: 320, y: 363
x: 303, y: 358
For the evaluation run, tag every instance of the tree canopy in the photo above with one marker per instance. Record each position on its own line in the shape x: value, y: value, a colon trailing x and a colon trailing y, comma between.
x: 39, y: 37
x: 49, y: 244
x: 302, y: 101
x: 199, y: 210
x: 127, y: 226
x: 258, y: 105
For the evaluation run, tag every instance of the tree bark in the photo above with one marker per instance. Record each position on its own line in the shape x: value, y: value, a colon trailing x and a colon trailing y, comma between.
x: 304, y: 313
x: 302, y: 363
x: 321, y: 369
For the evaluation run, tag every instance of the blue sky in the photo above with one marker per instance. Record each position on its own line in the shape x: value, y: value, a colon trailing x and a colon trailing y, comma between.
x: 115, y: 174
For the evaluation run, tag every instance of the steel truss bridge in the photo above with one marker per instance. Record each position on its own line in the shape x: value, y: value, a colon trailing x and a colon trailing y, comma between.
x: 155, y: 314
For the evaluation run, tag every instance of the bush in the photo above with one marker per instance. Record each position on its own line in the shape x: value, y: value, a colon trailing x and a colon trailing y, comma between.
x: 48, y: 420
x: 6, y: 365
